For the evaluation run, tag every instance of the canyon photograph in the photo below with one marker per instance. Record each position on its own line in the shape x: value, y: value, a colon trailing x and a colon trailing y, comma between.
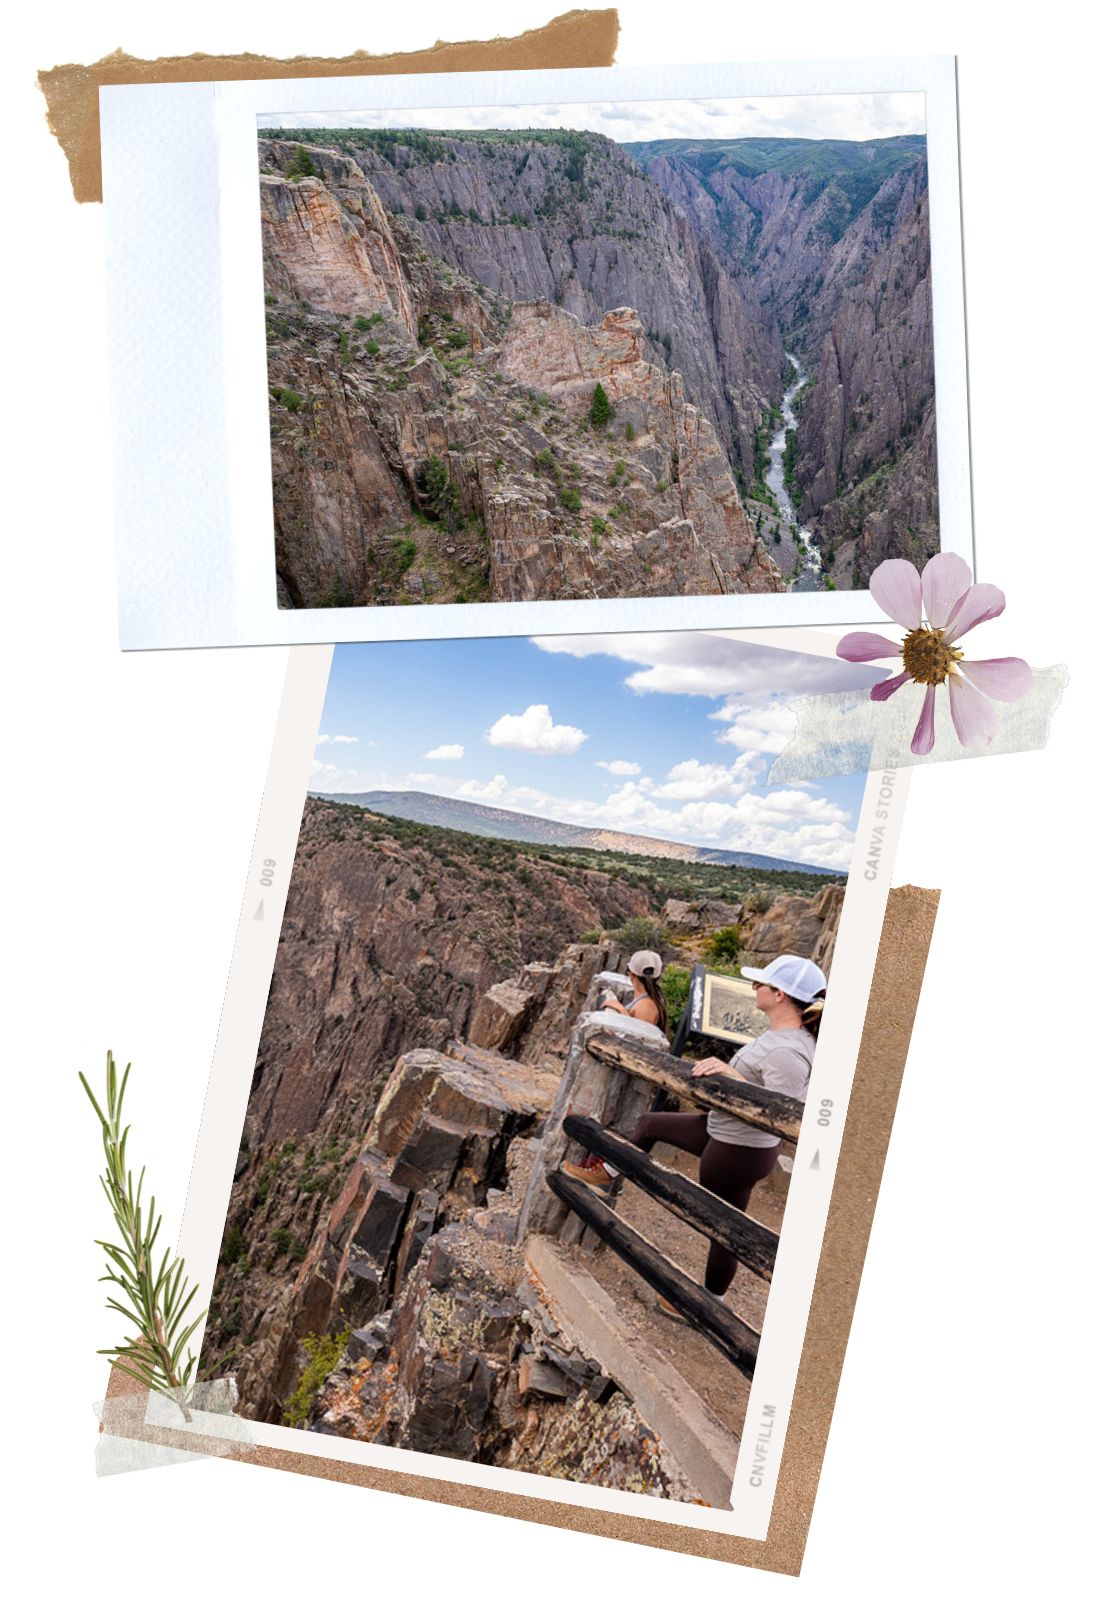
x: 603, y: 351
x: 483, y: 849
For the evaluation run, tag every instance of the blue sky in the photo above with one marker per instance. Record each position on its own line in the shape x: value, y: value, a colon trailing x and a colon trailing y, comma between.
x: 669, y: 735
x: 803, y: 116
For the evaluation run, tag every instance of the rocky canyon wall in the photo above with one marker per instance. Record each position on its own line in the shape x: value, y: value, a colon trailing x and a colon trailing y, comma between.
x: 388, y: 366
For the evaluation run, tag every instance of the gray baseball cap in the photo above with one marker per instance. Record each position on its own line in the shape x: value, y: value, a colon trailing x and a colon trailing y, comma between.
x: 646, y: 963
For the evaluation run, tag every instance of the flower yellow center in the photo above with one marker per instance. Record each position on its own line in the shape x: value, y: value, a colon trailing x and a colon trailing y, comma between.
x: 927, y: 659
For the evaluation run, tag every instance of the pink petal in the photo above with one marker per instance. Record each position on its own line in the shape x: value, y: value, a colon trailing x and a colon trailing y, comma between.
x: 1006, y: 678
x: 978, y: 604
x: 943, y: 583
x: 895, y: 586
x: 889, y: 686
x: 974, y: 717
x: 925, y: 736
x: 866, y: 647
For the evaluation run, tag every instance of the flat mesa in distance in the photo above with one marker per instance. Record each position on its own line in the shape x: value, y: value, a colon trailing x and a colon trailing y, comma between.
x: 491, y: 822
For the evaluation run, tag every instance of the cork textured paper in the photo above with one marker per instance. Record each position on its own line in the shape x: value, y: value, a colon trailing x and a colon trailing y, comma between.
x: 575, y: 39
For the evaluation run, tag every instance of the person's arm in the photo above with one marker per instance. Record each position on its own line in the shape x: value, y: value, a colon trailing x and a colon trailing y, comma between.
x: 645, y: 1011
x: 609, y: 1003
x: 714, y: 1066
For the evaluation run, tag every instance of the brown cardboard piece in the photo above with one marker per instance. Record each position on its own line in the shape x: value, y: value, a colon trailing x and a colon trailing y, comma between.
x: 899, y: 971
x: 575, y: 39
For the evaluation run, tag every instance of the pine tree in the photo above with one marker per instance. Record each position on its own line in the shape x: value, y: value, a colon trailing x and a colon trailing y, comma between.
x: 300, y: 165
x: 599, y: 412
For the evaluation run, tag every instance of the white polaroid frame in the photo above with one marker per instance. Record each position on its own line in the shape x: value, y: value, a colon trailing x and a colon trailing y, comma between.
x: 188, y: 358
x: 815, y: 1160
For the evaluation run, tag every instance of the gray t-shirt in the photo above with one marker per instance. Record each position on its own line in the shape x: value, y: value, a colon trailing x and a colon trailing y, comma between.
x: 781, y: 1060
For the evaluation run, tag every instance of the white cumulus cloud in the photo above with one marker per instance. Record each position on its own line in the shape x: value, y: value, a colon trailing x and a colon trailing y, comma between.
x: 337, y: 738
x: 445, y: 752
x: 764, y: 728
x: 621, y: 769
x: 706, y: 780
x: 536, y: 733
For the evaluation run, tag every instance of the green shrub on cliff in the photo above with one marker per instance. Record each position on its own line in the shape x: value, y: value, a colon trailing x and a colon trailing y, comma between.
x: 725, y: 944
x: 441, y: 494
x: 323, y: 1352
x: 300, y: 165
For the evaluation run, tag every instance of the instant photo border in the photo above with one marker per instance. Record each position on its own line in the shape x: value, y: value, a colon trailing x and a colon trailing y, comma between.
x: 188, y: 359
x: 812, y: 1181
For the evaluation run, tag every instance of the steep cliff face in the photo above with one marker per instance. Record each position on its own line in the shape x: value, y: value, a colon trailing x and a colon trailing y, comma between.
x: 672, y: 519
x: 387, y: 366
x: 386, y: 946
x: 836, y: 238
x: 572, y: 219
x: 867, y: 437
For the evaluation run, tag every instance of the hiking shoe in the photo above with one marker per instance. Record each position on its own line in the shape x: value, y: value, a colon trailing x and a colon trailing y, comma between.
x: 593, y: 1172
x: 669, y: 1309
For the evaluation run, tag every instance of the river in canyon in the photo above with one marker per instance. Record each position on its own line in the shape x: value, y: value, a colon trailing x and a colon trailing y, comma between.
x: 811, y: 576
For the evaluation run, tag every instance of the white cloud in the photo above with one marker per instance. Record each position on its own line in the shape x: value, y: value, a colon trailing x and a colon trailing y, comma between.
x: 445, y: 752
x: 713, y: 665
x: 536, y: 733
x: 491, y: 789
x: 621, y: 769
x: 703, y: 780
x: 828, y: 116
x: 764, y: 728
x: 338, y: 738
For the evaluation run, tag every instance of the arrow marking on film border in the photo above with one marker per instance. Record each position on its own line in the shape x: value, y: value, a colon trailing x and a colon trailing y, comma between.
x: 815, y: 1164
x: 258, y: 914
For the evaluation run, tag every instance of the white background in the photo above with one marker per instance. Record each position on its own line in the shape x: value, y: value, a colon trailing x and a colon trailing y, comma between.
x: 962, y: 1437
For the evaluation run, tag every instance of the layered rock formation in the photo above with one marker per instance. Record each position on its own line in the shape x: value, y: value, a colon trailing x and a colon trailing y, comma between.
x: 796, y: 925
x: 572, y: 220
x: 424, y: 448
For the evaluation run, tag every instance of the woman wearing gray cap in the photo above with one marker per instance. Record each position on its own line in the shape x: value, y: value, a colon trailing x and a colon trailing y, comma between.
x: 734, y: 1155
x: 648, y: 1004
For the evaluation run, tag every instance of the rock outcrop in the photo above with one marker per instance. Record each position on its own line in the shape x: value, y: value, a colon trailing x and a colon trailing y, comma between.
x: 795, y: 925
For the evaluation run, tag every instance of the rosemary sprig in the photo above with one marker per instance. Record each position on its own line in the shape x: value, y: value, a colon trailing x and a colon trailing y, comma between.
x: 159, y: 1297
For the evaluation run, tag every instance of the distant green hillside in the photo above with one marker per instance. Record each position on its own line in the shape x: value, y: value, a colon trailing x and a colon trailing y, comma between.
x: 858, y: 166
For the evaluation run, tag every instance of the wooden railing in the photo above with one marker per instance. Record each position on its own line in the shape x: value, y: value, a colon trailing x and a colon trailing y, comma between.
x: 750, y: 1242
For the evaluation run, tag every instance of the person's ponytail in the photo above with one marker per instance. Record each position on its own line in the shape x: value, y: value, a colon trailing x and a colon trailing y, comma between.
x: 652, y: 987
x: 810, y: 1012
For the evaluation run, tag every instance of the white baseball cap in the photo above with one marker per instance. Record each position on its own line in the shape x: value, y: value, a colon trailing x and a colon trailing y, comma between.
x: 794, y: 975
x: 646, y: 963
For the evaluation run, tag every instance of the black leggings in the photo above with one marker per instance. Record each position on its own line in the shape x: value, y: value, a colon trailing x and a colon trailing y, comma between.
x: 729, y: 1170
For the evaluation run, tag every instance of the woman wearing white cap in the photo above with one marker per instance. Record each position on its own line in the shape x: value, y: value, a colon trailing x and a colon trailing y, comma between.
x: 648, y: 1004
x: 735, y: 1155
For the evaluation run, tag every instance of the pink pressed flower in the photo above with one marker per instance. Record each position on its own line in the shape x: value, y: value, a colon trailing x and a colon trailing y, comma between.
x: 936, y: 608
